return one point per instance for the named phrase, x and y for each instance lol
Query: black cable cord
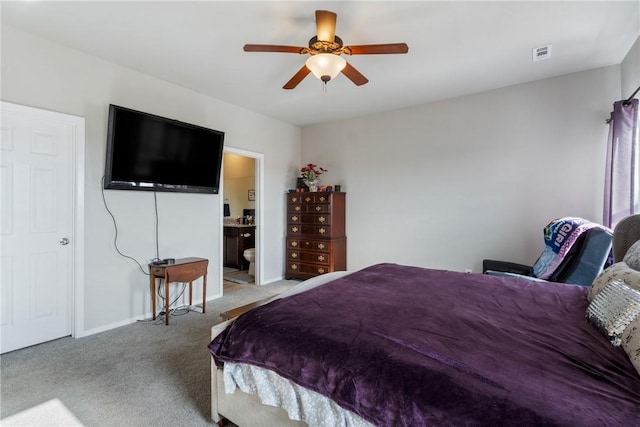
(155, 200)
(177, 311)
(184, 286)
(172, 312)
(115, 237)
(155, 205)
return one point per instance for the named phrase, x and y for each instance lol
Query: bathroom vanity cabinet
(237, 238)
(316, 239)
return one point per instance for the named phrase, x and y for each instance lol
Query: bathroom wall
(239, 178)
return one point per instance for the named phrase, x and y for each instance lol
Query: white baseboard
(126, 322)
(277, 279)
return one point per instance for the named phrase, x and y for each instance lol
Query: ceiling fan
(325, 49)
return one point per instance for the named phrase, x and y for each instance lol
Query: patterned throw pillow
(631, 342)
(618, 271)
(632, 257)
(613, 309)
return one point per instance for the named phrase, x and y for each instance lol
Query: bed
(399, 345)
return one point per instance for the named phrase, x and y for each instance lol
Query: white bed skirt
(244, 384)
(300, 403)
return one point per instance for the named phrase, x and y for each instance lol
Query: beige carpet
(144, 374)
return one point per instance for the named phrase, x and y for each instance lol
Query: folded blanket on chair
(559, 237)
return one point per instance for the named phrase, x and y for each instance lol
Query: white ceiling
(455, 48)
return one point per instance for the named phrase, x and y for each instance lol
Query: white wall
(46, 75)
(440, 185)
(630, 71)
(447, 184)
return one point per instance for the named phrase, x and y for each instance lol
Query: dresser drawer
(309, 257)
(316, 198)
(294, 230)
(316, 208)
(298, 218)
(322, 219)
(299, 268)
(315, 230)
(294, 209)
(294, 218)
(309, 245)
(294, 198)
(311, 208)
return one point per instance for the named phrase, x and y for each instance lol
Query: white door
(36, 190)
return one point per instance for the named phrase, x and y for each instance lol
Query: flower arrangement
(311, 172)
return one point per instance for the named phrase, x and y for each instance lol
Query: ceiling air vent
(540, 53)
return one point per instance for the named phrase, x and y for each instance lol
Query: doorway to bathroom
(242, 213)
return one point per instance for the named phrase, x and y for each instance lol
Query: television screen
(148, 152)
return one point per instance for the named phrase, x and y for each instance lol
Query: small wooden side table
(182, 270)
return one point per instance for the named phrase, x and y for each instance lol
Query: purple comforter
(407, 346)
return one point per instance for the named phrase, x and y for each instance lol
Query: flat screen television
(148, 152)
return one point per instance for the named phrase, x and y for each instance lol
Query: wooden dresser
(316, 240)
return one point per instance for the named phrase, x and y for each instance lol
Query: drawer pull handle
(294, 244)
(294, 229)
(318, 208)
(297, 208)
(294, 266)
(321, 270)
(294, 199)
(322, 230)
(246, 235)
(308, 199)
(294, 255)
(321, 246)
(294, 218)
(322, 199)
(322, 219)
(321, 258)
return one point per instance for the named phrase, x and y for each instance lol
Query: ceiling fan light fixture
(326, 66)
(325, 49)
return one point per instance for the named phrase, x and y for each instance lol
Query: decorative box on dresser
(316, 240)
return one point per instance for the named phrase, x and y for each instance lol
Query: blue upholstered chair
(581, 264)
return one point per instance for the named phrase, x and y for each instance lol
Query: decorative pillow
(613, 309)
(632, 257)
(618, 271)
(631, 342)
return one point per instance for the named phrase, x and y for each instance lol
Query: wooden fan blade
(354, 75)
(274, 48)
(375, 49)
(297, 78)
(326, 25)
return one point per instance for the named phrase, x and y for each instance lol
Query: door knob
(64, 241)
